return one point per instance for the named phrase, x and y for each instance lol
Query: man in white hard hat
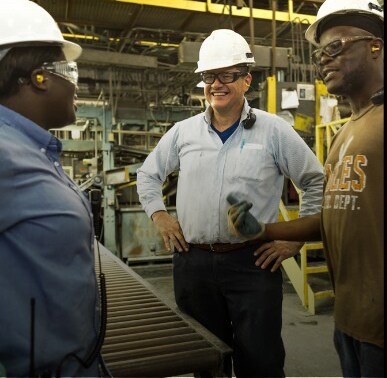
(229, 152)
(349, 58)
(49, 298)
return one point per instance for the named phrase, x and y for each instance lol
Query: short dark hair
(19, 62)
(243, 68)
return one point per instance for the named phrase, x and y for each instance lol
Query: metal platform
(146, 337)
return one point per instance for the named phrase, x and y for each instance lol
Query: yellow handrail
(325, 132)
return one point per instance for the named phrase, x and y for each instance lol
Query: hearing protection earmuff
(39, 79)
(248, 123)
(375, 48)
(378, 97)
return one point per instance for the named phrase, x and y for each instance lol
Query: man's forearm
(302, 229)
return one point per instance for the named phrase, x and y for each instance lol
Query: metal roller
(145, 336)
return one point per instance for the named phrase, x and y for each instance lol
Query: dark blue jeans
(238, 302)
(358, 359)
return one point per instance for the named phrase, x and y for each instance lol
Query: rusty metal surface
(146, 337)
(139, 239)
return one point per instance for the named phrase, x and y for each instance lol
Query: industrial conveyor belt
(145, 337)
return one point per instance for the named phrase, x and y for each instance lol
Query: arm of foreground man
(287, 238)
(170, 230)
(306, 228)
(281, 248)
(242, 223)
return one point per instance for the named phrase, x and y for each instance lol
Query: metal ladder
(298, 273)
(309, 296)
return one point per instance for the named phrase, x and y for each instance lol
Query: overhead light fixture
(85, 36)
(151, 44)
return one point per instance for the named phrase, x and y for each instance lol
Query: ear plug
(375, 48)
(39, 79)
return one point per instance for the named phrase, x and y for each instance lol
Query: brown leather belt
(226, 247)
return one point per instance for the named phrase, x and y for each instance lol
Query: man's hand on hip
(170, 230)
(277, 251)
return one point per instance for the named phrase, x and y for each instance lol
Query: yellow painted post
(321, 90)
(271, 95)
(304, 261)
(319, 132)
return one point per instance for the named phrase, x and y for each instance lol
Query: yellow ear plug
(375, 48)
(39, 79)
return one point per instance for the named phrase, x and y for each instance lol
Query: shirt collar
(42, 137)
(208, 112)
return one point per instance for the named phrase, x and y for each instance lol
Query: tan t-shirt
(352, 225)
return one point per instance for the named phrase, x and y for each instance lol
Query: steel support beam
(210, 7)
(117, 59)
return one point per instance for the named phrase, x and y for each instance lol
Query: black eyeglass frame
(235, 76)
(317, 54)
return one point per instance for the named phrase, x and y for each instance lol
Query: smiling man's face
(223, 98)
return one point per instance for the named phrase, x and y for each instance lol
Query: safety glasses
(223, 77)
(335, 47)
(64, 69)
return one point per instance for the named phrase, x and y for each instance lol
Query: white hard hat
(23, 22)
(343, 7)
(224, 48)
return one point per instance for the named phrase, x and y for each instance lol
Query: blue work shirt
(252, 162)
(46, 253)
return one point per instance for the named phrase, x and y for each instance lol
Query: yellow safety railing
(324, 134)
(309, 296)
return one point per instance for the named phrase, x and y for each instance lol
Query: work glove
(240, 221)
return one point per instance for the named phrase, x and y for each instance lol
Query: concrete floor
(308, 338)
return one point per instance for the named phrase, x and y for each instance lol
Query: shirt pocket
(191, 163)
(251, 162)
